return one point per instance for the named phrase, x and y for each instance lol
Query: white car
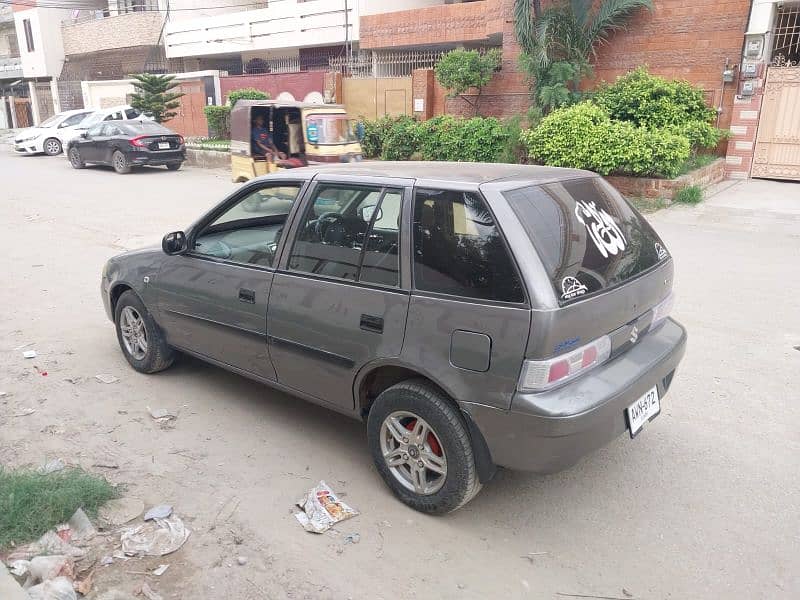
(123, 112)
(45, 138)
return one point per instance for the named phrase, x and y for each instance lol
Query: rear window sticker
(572, 288)
(605, 233)
(661, 251)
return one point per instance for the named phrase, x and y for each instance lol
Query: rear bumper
(151, 157)
(551, 431)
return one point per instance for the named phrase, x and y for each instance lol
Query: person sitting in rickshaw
(263, 144)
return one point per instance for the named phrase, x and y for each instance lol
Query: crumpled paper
(155, 538)
(322, 509)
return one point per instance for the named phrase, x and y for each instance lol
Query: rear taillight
(541, 375)
(140, 141)
(662, 310)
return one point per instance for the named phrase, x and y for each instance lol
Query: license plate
(163, 145)
(643, 410)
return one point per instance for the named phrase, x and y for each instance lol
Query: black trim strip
(341, 361)
(258, 334)
(371, 286)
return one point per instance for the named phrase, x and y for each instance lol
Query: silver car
(473, 315)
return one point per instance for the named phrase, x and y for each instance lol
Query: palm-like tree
(559, 42)
(570, 30)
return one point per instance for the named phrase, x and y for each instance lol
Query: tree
(559, 45)
(460, 70)
(153, 96)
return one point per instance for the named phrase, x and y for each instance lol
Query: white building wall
(377, 7)
(47, 57)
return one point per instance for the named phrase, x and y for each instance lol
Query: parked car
(473, 315)
(44, 139)
(127, 144)
(123, 112)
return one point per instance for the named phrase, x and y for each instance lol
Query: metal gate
(190, 120)
(373, 98)
(777, 151)
(44, 100)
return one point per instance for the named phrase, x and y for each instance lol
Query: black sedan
(127, 144)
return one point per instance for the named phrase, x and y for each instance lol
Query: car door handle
(248, 296)
(372, 323)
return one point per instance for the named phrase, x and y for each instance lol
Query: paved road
(703, 504)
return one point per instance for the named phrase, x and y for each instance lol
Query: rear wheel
(421, 447)
(139, 336)
(75, 158)
(174, 166)
(120, 163)
(52, 146)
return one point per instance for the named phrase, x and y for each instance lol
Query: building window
(129, 6)
(786, 49)
(13, 45)
(26, 25)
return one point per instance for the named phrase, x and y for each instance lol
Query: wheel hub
(413, 453)
(134, 334)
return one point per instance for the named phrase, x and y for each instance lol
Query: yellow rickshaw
(303, 133)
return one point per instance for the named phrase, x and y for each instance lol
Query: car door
(105, 143)
(338, 300)
(88, 145)
(212, 301)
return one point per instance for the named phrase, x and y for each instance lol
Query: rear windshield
(587, 235)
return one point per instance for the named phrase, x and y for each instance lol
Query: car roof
(134, 125)
(467, 173)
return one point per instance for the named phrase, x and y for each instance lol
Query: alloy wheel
(413, 452)
(52, 147)
(120, 163)
(75, 157)
(134, 333)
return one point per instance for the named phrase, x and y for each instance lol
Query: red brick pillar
(744, 126)
(422, 85)
(333, 87)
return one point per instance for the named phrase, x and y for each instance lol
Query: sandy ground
(703, 504)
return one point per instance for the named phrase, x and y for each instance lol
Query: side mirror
(368, 211)
(174, 243)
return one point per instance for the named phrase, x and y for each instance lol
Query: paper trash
(322, 509)
(155, 538)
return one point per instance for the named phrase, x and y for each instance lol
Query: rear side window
(132, 113)
(586, 234)
(458, 249)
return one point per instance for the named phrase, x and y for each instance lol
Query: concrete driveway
(705, 503)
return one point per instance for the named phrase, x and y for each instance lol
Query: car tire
(75, 158)
(417, 406)
(120, 163)
(174, 166)
(132, 320)
(52, 147)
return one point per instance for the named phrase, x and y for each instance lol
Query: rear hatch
(607, 266)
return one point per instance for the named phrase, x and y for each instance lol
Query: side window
(249, 231)
(95, 130)
(132, 113)
(73, 120)
(339, 236)
(458, 249)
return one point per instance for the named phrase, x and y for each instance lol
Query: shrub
(583, 136)
(460, 70)
(652, 101)
(218, 118)
(374, 131)
(465, 140)
(692, 194)
(699, 133)
(399, 139)
(246, 94)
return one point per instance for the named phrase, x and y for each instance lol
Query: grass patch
(692, 194)
(697, 161)
(31, 503)
(648, 205)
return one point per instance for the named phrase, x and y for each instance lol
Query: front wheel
(75, 158)
(421, 447)
(139, 336)
(174, 166)
(120, 163)
(52, 147)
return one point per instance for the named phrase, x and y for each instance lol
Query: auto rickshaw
(304, 133)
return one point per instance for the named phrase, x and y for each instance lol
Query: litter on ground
(106, 378)
(29, 354)
(322, 509)
(162, 511)
(155, 538)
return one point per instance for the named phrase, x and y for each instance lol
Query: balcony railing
(283, 24)
(10, 66)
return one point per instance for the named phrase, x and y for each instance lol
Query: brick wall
(129, 29)
(297, 84)
(643, 187)
(448, 23)
(682, 40)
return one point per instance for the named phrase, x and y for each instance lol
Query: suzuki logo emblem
(634, 334)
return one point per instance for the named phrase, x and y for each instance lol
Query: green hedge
(246, 94)
(445, 138)
(219, 121)
(583, 136)
(650, 101)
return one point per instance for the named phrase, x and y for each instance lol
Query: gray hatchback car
(474, 315)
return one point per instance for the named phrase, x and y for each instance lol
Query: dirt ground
(703, 504)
